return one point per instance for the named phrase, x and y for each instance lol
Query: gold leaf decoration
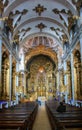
(39, 9)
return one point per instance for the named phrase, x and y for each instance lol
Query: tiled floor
(41, 121)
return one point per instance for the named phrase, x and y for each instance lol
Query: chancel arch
(41, 50)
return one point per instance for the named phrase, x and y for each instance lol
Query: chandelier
(41, 69)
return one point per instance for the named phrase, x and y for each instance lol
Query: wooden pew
(73, 129)
(13, 124)
(20, 117)
(64, 123)
(61, 121)
(10, 129)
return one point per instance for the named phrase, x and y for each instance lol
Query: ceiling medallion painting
(41, 26)
(39, 9)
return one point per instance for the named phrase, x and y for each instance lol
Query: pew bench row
(21, 117)
(64, 121)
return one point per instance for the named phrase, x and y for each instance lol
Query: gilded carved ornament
(24, 31)
(5, 66)
(18, 73)
(41, 26)
(9, 22)
(19, 13)
(71, 17)
(63, 36)
(77, 65)
(78, 3)
(3, 5)
(53, 29)
(66, 72)
(10, 18)
(63, 11)
(56, 29)
(41, 50)
(19, 89)
(3, 18)
(16, 38)
(39, 9)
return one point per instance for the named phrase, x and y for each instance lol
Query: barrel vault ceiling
(40, 22)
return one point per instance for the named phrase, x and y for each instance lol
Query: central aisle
(41, 121)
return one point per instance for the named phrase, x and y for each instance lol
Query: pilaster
(17, 70)
(4, 73)
(72, 75)
(81, 41)
(0, 65)
(10, 77)
(13, 81)
(24, 83)
(81, 55)
(78, 74)
(65, 81)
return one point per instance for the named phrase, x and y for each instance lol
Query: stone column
(10, 77)
(78, 71)
(81, 45)
(20, 79)
(65, 81)
(7, 81)
(24, 83)
(58, 72)
(17, 70)
(1, 30)
(0, 65)
(4, 80)
(17, 82)
(69, 84)
(65, 69)
(2, 92)
(80, 24)
(72, 75)
(58, 80)
(81, 55)
(13, 81)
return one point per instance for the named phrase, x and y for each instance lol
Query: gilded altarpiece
(41, 81)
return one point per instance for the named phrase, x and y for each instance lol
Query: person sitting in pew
(61, 107)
